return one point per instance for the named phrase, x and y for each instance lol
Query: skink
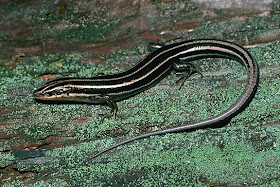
(108, 89)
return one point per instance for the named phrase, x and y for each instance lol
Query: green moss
(14, 183)
(237, 30)
(90, 33)
(5, 159)
(74, 24)
(175, 7)
(173, 159)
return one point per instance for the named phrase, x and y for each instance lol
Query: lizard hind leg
(185, 70)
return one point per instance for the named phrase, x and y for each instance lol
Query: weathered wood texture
(43, 144)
